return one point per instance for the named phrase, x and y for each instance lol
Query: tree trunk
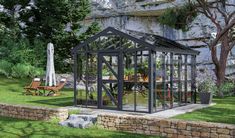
(220, 72)
(220, 66)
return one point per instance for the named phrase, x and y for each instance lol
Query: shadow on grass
(22, 128)
(55, 101)
(226, 100)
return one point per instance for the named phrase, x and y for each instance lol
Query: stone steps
(79, 121)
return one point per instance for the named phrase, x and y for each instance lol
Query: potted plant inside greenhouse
(206, 89)
(128, 74)
(105, 74)
(143, 70)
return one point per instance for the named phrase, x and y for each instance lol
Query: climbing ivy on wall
(179, 17)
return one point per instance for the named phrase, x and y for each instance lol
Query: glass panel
(189, 84)
(87, 86)
(129, 83)
(109, 95)
(158, 82)
(107, 42)
(109, 81)
(128, 44)
(168, 92)
(142, 81)
(110, 68)
(189, 92)
(81, 98)
(176, 81)
(184, 78)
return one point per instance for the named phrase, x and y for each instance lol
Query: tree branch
(231, 45)
(206, 11)
(230, 17)
(223, 13)
(222, 32)
(214, 56)
(229, 4)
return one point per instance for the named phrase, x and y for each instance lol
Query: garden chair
(54, 90)
(32, 89)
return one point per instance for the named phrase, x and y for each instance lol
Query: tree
(224, 35)
(56, 21)
(222, 15)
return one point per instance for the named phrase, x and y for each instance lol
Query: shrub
(5, 68)
(207, 85)
(226, 89)
(22, 51)
(179, 17)
(21, 70)
(34, 72)
(26, 70)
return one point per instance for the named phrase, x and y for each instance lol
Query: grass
(14, 128)
(222, 112)
(11, 92)
(75, 111)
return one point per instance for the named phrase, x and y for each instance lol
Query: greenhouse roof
(111, 39)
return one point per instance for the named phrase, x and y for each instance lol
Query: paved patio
(161, 114)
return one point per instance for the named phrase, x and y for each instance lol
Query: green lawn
(11, 92)
(222, 112)
(14, 128)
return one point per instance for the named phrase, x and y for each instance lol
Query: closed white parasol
(50, 71)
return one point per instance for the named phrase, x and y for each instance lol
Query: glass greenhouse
(136, 72)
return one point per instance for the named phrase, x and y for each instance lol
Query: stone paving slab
(180, 110)
(161, 114)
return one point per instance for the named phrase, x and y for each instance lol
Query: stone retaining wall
(32, 113)
(165, 127)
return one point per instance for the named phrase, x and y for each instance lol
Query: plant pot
(205, 97)
(111, 78)
(125, 77)
(105, 77)
(129, 77)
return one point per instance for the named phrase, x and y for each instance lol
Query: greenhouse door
(110, 80)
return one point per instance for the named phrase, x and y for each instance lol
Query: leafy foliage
(26, 70)
(5, 68)
(178, 17)
(206, 81)
(207, 85)
(21, 51)
(18, 57)
(59, 23)
(143, 68)
(33, 24)
(227, 89)
(19, 70)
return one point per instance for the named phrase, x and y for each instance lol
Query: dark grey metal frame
(119, 77)
(160, 45)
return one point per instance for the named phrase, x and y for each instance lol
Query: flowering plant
(206, 81)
